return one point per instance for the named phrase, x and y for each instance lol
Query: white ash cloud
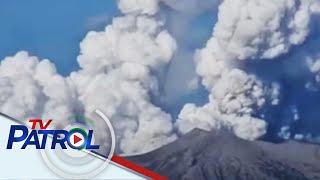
(31, 88)
(120, 74)
(120, 69)
(233, 100)
(246, 30)
(249, 29)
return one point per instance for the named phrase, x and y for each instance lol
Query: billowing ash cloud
(120, 75)
(233, 100)
(31, 88)
(121, 68)
(246, 30)
(249, 29)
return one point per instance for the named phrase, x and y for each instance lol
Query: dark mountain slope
(201, 155)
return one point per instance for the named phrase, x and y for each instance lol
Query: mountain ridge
(221, 155)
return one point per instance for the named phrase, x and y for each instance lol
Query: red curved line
(137, 168)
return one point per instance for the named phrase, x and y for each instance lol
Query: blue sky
(51, 29)
(54, 29)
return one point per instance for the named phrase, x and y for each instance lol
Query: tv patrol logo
(75, 138)
(70, 151)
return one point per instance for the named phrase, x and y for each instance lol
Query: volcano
(202, 155)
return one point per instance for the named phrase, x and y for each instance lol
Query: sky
(51, 29)
(165, 67)
(54, 29)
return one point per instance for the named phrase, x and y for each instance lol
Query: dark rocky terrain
(201, 155)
